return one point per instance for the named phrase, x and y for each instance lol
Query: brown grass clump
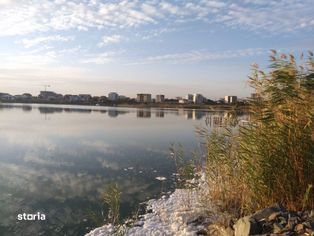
(271, 159)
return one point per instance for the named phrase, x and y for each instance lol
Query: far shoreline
(207, 107)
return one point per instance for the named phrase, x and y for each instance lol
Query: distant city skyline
(159, 47)
(114, 96)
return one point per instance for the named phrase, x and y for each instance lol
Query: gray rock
(217, 230)
(277, 228)
(310, 232)
(274, 216)
(267, 227)
(138, 223)
(246, 226)
(292, 222)
(267, 212)
(202, 232)
(276, 220)
(197, 221)
(282, 220)
(309, 224)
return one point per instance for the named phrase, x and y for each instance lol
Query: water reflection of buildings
(218, 121)
(113, 113)
(198, 115)
(160, 113)
(80, 110)
(46, 110)
(27, 108)
(143, 113)
(194, 114)
(215, 119)
(49, 110)
(223, 119)
(189, 115)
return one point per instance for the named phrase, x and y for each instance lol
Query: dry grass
(271, 159)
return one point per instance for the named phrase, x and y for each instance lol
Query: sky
(172, 47)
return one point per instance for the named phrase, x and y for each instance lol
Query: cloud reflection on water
(61, 165)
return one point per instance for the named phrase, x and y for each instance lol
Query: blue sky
(169, 47)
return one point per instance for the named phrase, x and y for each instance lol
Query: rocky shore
(186, 212)
(181, 213)
(276, 220)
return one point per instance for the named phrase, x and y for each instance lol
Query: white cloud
(5, 2)
(258, 2)
(169, 7)
(25, 67)
(150, 9)
(45, 15)
(20, 19)
(110, 40)
(272, 16)
(146, 35)
(44, 40)
(197, 56)
(99, 59)
(214, 4)
(26, 60)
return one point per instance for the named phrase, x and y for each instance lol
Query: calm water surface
(57, 160)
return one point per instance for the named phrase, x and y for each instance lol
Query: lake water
(57, 160)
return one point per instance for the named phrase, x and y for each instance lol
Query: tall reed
(272, 158)
(111, 198)
(276, 150)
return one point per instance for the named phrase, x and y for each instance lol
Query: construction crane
(46, 86)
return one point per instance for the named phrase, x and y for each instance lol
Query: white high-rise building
(144, 97)
(198, 98)
(113, 96)
(160, 98)
(231, 99)
(189, 98)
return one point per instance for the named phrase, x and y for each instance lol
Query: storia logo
(26, 216)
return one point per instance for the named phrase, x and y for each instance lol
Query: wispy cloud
(197, 56)
(100, 58)
(5, 2)
(168, 7)
(146, 35)
(26, 60)
(113, 39)
(45, 40)
(45, 15)
(271, 16)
